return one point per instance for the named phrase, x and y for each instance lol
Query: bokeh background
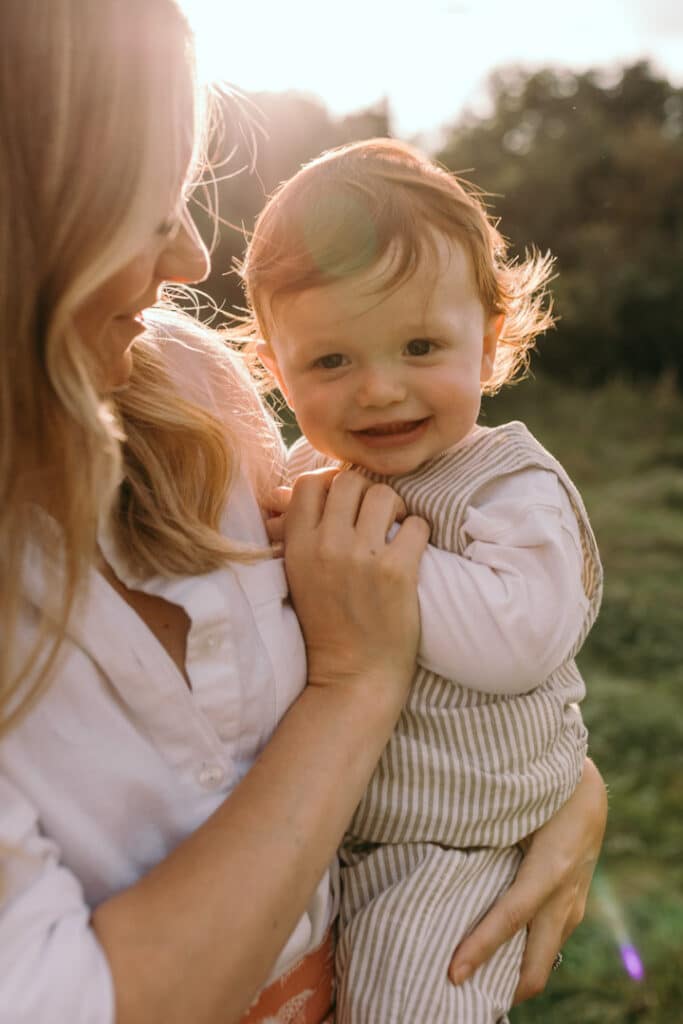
(570, 117)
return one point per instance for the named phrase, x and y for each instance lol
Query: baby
(384, 307)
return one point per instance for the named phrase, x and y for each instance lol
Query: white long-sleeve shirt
(501, 616)
(120, 761)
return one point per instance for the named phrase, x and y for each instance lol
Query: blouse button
(213, 641)
(211, 776)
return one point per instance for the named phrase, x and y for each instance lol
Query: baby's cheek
(315, 417)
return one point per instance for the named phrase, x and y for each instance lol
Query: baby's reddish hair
(341, 214)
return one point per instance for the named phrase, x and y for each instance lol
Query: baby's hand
(275, 511)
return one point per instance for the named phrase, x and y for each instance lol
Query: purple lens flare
(632, 962)
(613, 916)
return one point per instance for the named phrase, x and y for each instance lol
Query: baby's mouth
(397, 427)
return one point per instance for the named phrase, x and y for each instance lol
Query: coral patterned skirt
(304, 995)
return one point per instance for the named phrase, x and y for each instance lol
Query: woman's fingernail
(460, 973)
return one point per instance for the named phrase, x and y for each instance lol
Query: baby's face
(386, 378)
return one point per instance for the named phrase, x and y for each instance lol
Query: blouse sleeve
(501, 616)
(52, 968)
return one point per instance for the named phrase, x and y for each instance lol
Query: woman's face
(111, 318)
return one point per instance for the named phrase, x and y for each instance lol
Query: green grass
(624, 449)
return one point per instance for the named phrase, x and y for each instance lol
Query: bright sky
(430, 58)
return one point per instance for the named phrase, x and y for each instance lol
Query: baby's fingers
(278, 501)
(275, 528)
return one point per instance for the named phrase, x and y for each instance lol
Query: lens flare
(613, 916)
(632, 962)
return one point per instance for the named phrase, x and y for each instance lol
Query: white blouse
(120, 761)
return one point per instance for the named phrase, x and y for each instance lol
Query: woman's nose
(186, 258)
(379, 388)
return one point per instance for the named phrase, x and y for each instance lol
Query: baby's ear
(269, 360)
(492, 333)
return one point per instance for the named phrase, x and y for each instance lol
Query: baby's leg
(404, 909)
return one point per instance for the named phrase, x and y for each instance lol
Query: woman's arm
(196, 937)
(550, 891)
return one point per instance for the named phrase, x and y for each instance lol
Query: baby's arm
(503, 615)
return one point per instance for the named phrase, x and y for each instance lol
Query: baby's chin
(394, 464)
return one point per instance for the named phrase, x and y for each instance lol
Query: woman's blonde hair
(181, 456)
(341, 213)
(99, 131)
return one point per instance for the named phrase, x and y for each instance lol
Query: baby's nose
(379, 388)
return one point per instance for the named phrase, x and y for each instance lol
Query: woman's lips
(396, 433)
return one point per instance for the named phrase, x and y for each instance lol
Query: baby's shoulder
(511, 447)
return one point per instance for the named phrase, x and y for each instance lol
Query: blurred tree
(591, 169)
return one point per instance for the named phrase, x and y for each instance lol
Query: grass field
(624, 449)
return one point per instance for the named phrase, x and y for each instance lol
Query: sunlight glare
(429, 59)
(324, 49)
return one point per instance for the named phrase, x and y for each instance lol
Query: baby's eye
(419, 347)
(331, 362)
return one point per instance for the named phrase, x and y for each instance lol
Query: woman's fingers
(380, 508)
(354, 593)
(342, 501)
(411, 538)
(308, 499)
(507, 916)
(546, 934)
(549, 893)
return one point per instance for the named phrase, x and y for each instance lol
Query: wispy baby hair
(341, 213)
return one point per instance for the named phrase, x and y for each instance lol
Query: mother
(170, 794)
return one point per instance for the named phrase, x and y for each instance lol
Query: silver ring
(557, 962)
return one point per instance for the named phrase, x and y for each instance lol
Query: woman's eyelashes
(171, 225)
(168, 227)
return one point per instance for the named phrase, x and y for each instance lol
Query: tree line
(587, 166)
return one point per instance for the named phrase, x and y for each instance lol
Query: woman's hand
(549, 893)
(355, 594)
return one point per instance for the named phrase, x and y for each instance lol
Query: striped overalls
(464, 777)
